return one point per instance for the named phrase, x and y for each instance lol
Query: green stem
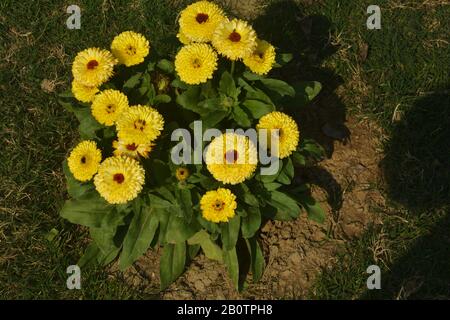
(232, 67)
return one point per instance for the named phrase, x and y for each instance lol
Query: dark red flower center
(234, 36)
(202, 17)
(218, 205)
(118, 177)
(92, 64)
(131, 147)
(231, 156)
(83, 160)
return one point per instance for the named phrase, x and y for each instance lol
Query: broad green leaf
(172, 263)
(241, 117)
(258, 108)
(259, 95)
(89, 210)
(184, 198)
(252, 76)
(284, 58)
(285, 205)
(89, 258)
(214, 117)
(251, 223)
(257, 257)
(166, 66)
(162, 98)
(279, 86)
(227, 85)
(305, 92)
(163, 217)
(75, 188)
(312, 149)
(210, 249)
(287, 173)
(132, 82)
(190, 99)
(104, 239)
(231, 261)
(179, 230)
(313, 208)
(270, 186)
(298, 159)
(139, 236)
(230, 232)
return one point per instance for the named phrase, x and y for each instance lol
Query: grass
(404, 77)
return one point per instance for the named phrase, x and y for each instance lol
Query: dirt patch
(295, 251)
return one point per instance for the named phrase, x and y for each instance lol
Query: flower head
(83, 93)
(196, 63)
(93, 66)
(262, 58)
(108, 105)
(182, 173)
(234, 39)
(84, 160)
(288, 131)
(183, 38)
(130, 48)
(133, 150)
(199, 20)
(139, 124)
(119, 179)
(231, 158)
(218, 205)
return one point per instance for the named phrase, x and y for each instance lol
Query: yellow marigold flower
(119, 179)
(133, 150)
(83, 93)
(182, 173)
(199, 20)
(196, 63)
(231, 158)
(234, 39)
(218, 205)
(139, 124)
(288, 131)
(130, 48)
(84, 160)
(93, 66)
(262, 59)
(183, 38)
(108, 105)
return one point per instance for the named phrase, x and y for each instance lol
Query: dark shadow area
(417, 174)
(285, 25)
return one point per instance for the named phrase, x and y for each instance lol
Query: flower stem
(232, 67)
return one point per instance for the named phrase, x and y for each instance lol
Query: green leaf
(132, 82)
(305, 92)
(179, 230)
(88, 125)
(210, 249)
(257, 257)
(172, 263)
(252, 76)
(88, 210)
(279, 86)
(104, 239)
(287, 173)
(298, 159)
(312, 149)
(190, 100)
(212, 118)
(313, 208)
(230, 232)
(231, 261)
(258, 108)
(166, 66)
(162, 98)
(241, 117)
(284, 58)
(89, 258)
(270, 186)
(139, 236)
(227, 85)
(75, 188)
(184, 199)
(286, 206)
(251, 223)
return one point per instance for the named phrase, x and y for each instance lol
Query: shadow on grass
(417, 172)
(285, 25)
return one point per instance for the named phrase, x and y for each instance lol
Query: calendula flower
(288, 131)
(218, 205)
(83, 93)
(139, 124)
(93, 66)
(231, 158)
(133, 150)
(234, 39)
(182, 173)
(130, 48)
(199, 20)
(183, 38)
(84, 160)
(108, 105)
(119, 179)
(262, 59)
(196, 63)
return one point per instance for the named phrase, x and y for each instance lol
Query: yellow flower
(119, 179)
(288, 131)
(196, 63)
(130, 48)
(218, 206)
(93, 66)
(83, 93)
(183, 38)
(84, 160)
(108, 105)
(231, 158)
(139, 124)
(234, 39)
(262, 59)
(182, 173)
(199, 20)
(133, 150)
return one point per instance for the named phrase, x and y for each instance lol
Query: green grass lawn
(403, 75)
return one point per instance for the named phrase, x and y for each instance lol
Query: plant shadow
(416, 170)
(290, 30)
